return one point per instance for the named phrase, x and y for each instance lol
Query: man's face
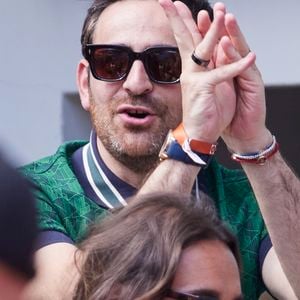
(133, 116)
(208, 268)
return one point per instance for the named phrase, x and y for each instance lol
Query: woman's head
(135, 252)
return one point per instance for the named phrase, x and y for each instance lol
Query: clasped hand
(225, 98)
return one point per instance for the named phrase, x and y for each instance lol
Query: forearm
(277, 191)
(171, 175)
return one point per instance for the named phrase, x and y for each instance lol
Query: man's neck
(133, 178)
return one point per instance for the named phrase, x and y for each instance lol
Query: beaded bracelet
(258, 157)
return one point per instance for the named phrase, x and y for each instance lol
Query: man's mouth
(136, 115)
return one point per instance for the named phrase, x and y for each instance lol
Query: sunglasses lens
(112, 63)
(164, 65)
(109, 64)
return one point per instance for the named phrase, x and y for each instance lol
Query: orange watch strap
(196, 145)
(203, 147)
(179, 134)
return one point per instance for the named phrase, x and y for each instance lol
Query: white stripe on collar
(106, 180)
(90, 178)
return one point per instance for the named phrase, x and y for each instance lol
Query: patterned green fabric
(63, 206)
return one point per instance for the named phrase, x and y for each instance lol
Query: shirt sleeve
(264, 248)
(48, 216)
(49, 237)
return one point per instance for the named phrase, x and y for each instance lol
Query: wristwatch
(171, 149)
(195, 145)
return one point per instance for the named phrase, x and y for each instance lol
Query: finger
(231, 55)
(220, 56)
(186, 16)
(236, 35)
(220, 6)
(232, 70)
(229, 52)
(203, 22)
(206, 48)
(181, 33)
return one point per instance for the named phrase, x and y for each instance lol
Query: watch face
(163, 151)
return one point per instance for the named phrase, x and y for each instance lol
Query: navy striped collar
(98, 182)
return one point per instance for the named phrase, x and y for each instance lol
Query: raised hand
(247, 131)
(206, 111)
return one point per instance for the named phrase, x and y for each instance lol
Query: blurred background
(40, 48)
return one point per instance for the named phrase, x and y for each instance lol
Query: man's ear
(82, 80)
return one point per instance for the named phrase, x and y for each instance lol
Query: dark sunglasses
(113, 62)
(185, 296)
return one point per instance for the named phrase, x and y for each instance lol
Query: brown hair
(98, 7)
(134, 253)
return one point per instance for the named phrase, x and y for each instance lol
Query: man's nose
(137, 81)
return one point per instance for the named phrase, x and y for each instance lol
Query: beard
(136, 148)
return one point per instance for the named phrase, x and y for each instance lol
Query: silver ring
(199, 61)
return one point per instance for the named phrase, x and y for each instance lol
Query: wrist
(250, 145)
(259, 157)
(201, 134)
(191, 144)
(178, 146)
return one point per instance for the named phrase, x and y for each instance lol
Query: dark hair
(134, 253)
(18, 227)
(98, 7)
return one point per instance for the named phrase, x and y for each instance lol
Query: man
(18, 233)
(129, 82)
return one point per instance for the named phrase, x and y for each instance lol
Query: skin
(240, 119)
(135, 143)
(12, 284)
(209, 105)
(56, 273)
(208, 266)
(274, 184)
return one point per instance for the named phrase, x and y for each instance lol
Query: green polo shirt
(64, 207)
